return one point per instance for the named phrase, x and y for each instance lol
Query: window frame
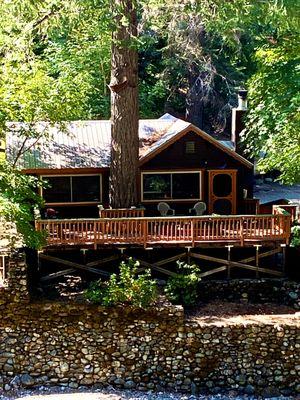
(170, 172)
(60, 203)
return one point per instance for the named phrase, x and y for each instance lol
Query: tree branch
(20, 152)
(45, 17)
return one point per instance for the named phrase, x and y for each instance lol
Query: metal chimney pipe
(237, 124)
(242, 100)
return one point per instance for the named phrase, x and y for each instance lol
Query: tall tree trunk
(124, 106)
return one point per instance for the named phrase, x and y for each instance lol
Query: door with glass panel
(222, 192)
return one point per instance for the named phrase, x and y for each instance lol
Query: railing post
(192, 233)
(287, 229)
(242, 230)
(95, 235)
(145, 229)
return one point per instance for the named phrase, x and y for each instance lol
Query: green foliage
(127, 288)
(18, 199)
(274, 119)
(295, 238)
(51, 55)
(182, 289)
(198, 68)
(239, 43)
(272, 29)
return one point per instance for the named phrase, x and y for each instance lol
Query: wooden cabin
(179, 164)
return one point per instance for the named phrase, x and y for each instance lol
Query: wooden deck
(167, 231)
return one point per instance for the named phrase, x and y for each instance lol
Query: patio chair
(198, 208)
(164, 208)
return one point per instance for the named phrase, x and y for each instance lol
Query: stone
(27, 380)
(194, 389)
(207, 336)
(64, 367)
(119, 381)
(73, 385)
(249, 389)
(15, 382)
(293, 295)
(241, 379)
(270, 391)
(129, 385)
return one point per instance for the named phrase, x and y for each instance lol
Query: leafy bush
(18, 199)
(182, 288)
(125, 288)
(295, 239)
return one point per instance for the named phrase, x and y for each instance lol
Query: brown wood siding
(206, 157)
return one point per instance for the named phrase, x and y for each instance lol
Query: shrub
(295, 238)
(127, 288)
(182, 288)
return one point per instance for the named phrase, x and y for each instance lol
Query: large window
(72, 189)
(171, 185)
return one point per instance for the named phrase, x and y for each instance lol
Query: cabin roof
(86, 144)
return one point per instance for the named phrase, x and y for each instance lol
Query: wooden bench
(122, 213)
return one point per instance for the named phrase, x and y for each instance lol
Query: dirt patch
(228, 312)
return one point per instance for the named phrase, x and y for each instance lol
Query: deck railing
(291, 209)
(172, 230)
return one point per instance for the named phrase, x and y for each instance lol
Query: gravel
(44, 393)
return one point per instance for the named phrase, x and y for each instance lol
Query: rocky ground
(225, 313)
(43, 393)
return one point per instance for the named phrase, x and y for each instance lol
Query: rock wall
(280, 291)
(83, 345)
(15, 289)
(74, 344)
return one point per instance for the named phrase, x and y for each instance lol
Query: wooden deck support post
(257, 246)
(229, 261)
(188, 254)
(39, 252)
(83, 251)
(122, 250)
(283, 260)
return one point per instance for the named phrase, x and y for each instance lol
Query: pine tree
(124, 106)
